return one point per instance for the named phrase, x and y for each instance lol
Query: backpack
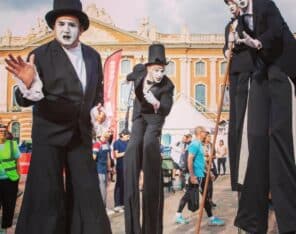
(183, 163)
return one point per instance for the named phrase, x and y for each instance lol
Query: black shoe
(213, 204)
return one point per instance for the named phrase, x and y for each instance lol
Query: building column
(185, 77)
(188, 77)
(3, 86)
(213, 85)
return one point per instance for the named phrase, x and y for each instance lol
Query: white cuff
(34, 93)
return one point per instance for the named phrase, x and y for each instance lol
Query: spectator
(208, 147)
(196, 167)
(9, 178)
(102, 152)
(221, 156)
(119, 148)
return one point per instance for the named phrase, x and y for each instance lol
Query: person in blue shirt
(196, 168)
(102, 151)
(119, 148)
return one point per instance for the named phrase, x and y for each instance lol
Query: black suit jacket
(163, 91)
(279, 44)
(65, 109)
(241, 60)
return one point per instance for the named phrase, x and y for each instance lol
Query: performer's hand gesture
(150, 98)
(24, 71)
(249, 41)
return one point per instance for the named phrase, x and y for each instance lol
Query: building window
(15, 130)
(200, 94)
(223, 67)
(170, 69)
(200, 97)
(200, 68)
(125, 67)
(15, 106)
(125, 89)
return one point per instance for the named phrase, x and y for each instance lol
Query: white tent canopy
(185, 117)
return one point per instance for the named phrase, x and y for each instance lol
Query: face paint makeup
(233, 8)
(156, 73)
(242, 3)
(67, 31)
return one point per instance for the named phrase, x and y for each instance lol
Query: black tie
(150, 82)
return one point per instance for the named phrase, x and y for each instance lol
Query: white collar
(76, 49)
(249, 9)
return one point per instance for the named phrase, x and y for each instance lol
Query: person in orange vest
(9, 178)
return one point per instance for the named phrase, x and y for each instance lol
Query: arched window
(125, 89)
(125, 67)
(223, 67)
(15, 106)
(170, 69)
(15, 130)
(200, 94)
(200, 68)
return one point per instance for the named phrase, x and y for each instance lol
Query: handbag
(193, 203)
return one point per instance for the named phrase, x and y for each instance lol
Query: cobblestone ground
(226, 208)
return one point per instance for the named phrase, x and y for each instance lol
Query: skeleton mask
(67, 31)
(156, 73)
(242, 3)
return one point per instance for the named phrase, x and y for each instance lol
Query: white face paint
(156, 73)
(233, 8)
(242, 3)
(67, 31)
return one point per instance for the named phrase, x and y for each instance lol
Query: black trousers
(51, 207)
(238, 90)
(143, 152)
(119, 187)
(271, 164)
(8, 195)
(186, 198)
(221, 163)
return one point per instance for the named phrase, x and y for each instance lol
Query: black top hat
(157, 55)
(67, 7)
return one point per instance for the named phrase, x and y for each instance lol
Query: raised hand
(249, 41)
(24, 71)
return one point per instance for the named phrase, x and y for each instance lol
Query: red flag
(111, 68)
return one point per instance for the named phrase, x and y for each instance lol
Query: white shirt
(249, 19)
(76, 58)
(34, 93)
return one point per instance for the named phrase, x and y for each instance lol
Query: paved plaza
(223, 196)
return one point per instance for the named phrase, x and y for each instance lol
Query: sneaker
(213, 204)
(216, 222)
(181, 220)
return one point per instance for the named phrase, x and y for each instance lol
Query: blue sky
(200, 16)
